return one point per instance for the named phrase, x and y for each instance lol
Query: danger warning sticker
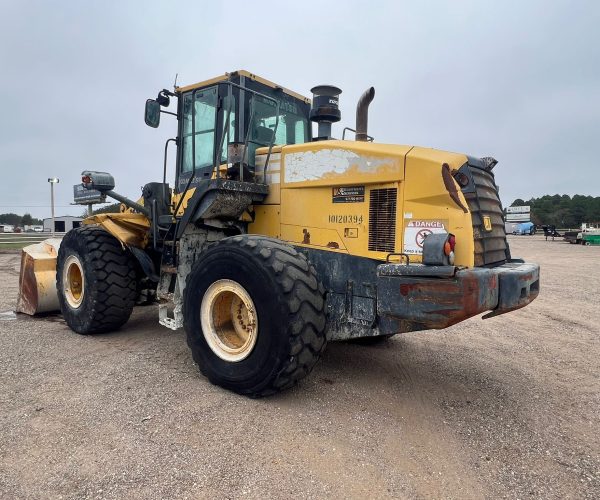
(416, 231)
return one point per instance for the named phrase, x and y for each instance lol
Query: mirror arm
(168, 112)
(130, 203)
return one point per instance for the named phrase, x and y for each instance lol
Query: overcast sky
(519, 81)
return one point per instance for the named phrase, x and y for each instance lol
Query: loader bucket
(37, 280)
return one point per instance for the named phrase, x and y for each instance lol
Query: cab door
(198, 124)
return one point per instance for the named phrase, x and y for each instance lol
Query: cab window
(292, 126)
(204, 110)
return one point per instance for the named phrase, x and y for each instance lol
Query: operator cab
(223, 121)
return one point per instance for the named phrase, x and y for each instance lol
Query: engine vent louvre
(382, 220)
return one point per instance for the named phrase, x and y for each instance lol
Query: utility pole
(52, 181)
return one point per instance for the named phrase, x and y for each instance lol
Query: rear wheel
(96, 281)
(254, 315)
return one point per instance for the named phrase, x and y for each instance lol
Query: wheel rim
(229, 320)
(73, 281)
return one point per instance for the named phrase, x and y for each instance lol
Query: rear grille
(382, 220)
(482, 197)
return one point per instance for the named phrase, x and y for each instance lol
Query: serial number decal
(345, 219)
(348, 194)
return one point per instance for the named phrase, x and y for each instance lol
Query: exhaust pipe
(362, 114)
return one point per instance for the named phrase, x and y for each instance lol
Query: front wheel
(254, 314)
(95, 280)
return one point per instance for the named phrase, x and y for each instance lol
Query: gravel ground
(507, 407)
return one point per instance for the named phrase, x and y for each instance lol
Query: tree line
(20, 220)
(562, 210)
(113, 208)
(17, 220)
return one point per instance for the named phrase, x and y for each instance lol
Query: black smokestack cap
(325, 108)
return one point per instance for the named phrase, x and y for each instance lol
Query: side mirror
(152, 113)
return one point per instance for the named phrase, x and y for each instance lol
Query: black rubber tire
(290, 306)
(110, 287)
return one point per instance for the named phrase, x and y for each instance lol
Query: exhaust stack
(362, 114)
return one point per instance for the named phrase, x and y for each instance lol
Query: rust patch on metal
(306, 239)
(409, 303)
(451, 187)
(439, 303)
(28, 296)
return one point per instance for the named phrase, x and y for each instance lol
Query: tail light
(438, 249)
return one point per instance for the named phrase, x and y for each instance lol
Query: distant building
(7, 228)
(62, 224)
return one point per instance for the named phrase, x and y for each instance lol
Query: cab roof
(243, 73)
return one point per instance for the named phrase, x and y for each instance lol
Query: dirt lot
(506, 407)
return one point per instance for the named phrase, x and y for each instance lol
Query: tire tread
(113, 281)
(304, 297)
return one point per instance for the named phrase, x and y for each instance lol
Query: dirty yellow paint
(129, 228)
(175, 201)
(331, 163)
(267, 221)
(303, 179)
(302, 206)
(319, 237)
(426, 198)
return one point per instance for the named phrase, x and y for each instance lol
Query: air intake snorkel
(325, 109)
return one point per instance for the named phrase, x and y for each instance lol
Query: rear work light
(462, 179)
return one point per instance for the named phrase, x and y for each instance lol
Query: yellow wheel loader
(274, 241)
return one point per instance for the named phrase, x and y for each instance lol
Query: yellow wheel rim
(73, 281)
(229, 320)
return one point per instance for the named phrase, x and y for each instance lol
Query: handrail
(370, 138)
